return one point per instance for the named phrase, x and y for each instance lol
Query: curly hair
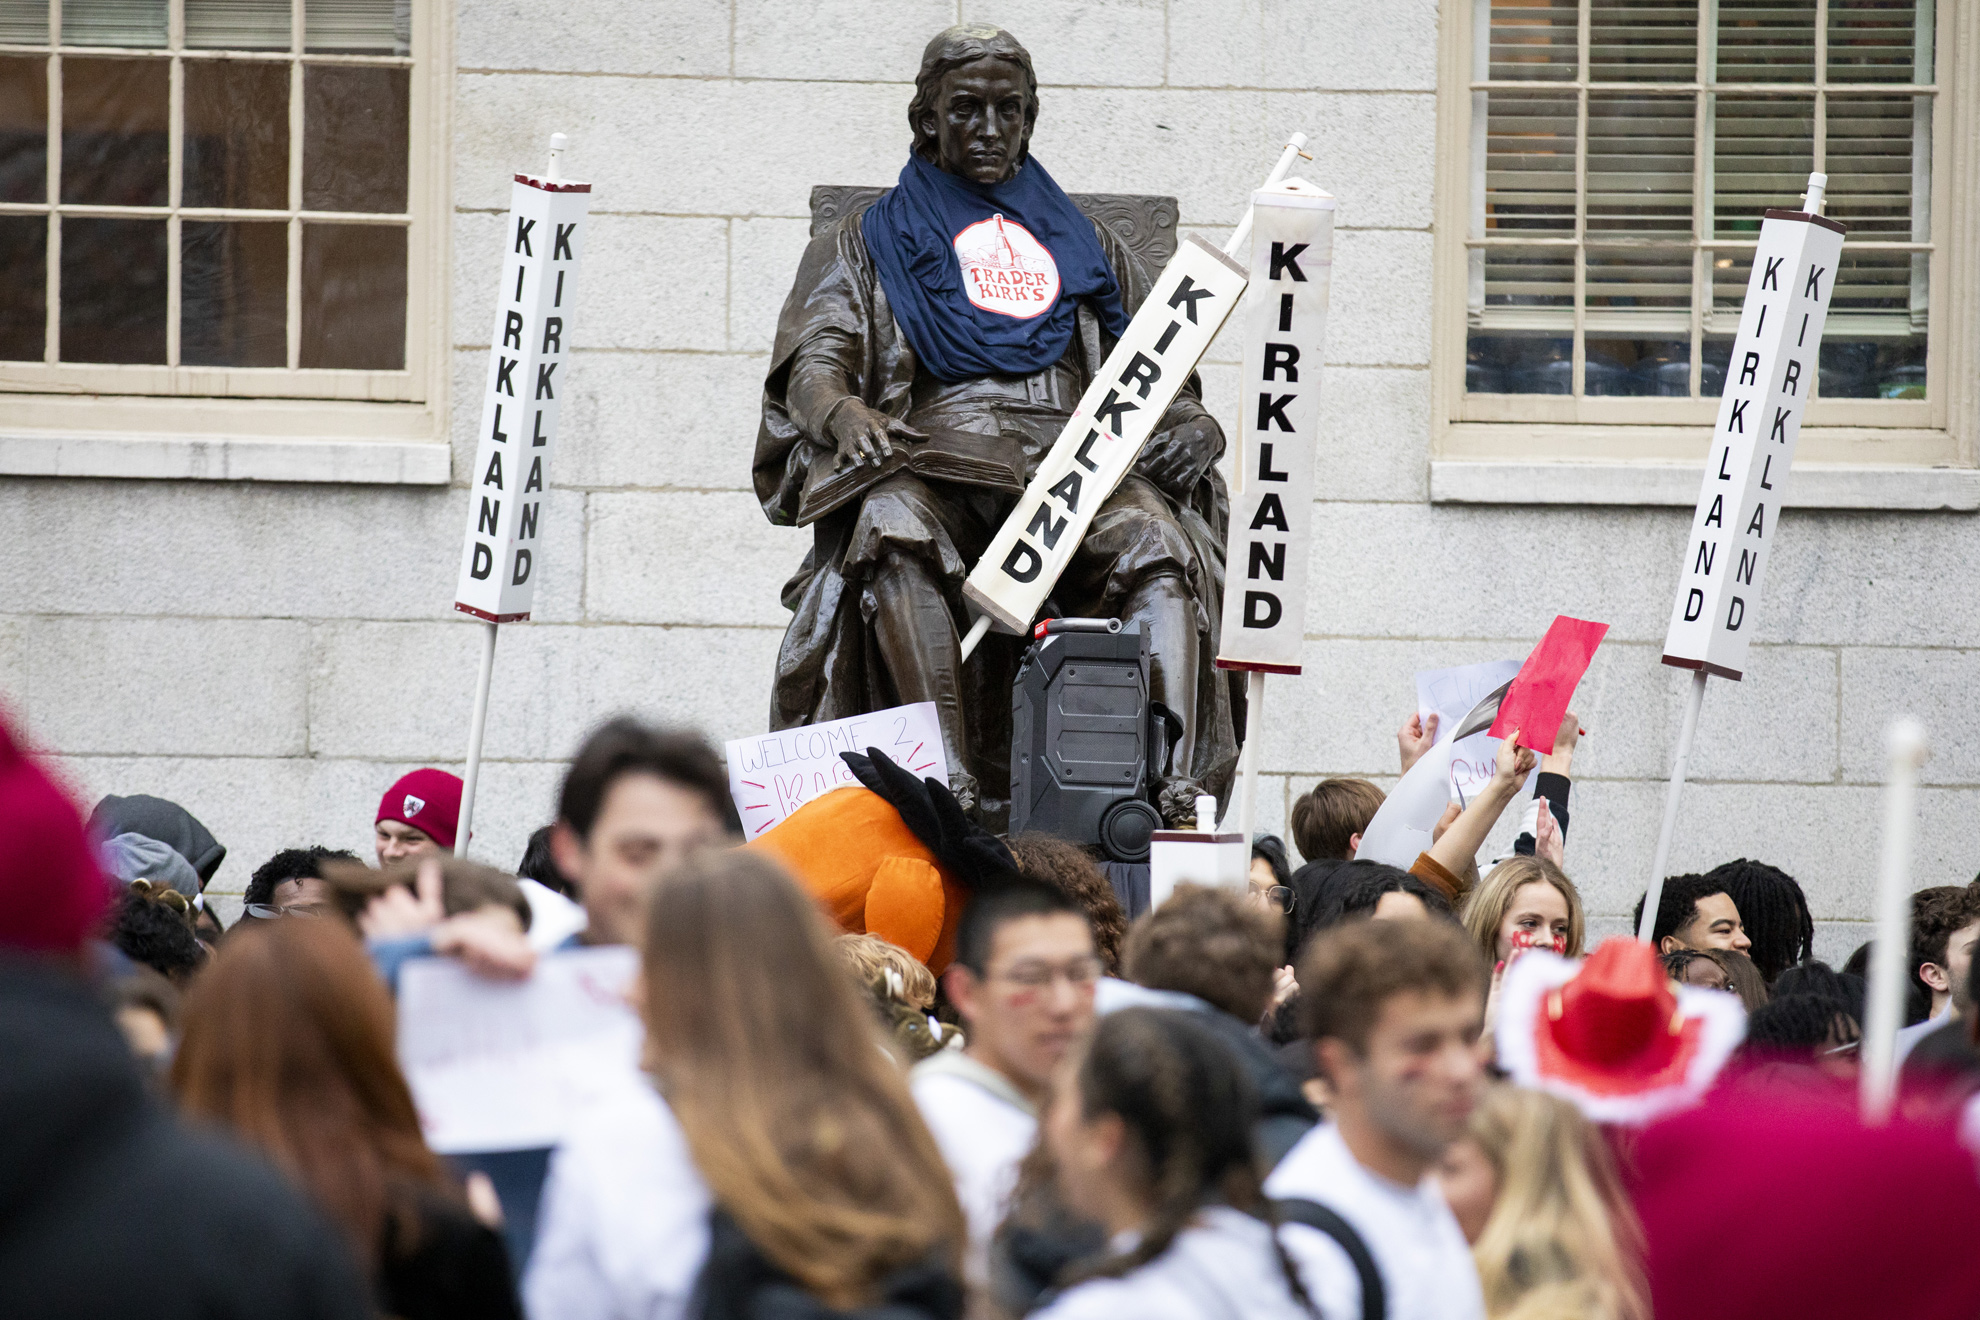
(291, 864)
(1069, 868)
(149, 931)
(1774, 912)
(1210, 943)
(902, 991)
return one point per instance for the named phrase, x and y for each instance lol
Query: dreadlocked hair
(1189, 1108)
(1774, 912)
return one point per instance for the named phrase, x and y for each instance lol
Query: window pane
(23, 287)
(234, 307)
(1520, 341)
(1872, 368)
(237, 24)
(1878, 41)
(354, 297)
(1766, 41)
(113, 23)
(113, 290)
(355, 129)
(1638, 322)
(1529, 162)
(236, 134)
(23, 128)
(1519, 364)
(1637, 368)
(372, 27)
(24, 22)
(1643, 41)
(1869, 165)
(1639, 163)
(1714, 352)
(1730, 272)
(1762, 150)
(1532, 39)
(114, 148)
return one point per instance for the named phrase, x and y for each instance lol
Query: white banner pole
(1655, 894)
(477, 725)
(1878, 1067)
(1769, 375)
(497, 581)
(1254, 711)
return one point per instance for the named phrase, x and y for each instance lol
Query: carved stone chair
(1147, 224)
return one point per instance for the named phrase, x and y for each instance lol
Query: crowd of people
(1350, 1090)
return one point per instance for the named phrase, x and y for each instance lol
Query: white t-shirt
(1221, 1268)
(1415, 1239)
(1908, 1037)
(984, 1132)
(623, 1229)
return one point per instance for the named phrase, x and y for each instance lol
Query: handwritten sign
(1449, 694)
(774, 774)
(502, 1065)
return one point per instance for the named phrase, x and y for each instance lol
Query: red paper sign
(1540, 693)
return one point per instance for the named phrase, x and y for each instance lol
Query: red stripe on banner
(491, 618)
(752, 783)
(531, 181)
(923, 766)
(1248, 666)
(917, 751)
(1540, 692)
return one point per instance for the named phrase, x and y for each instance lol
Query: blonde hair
(902, 991)
(800, 1123)
(1562, 1240)
(1486, 907)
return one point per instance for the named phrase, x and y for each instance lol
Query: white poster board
(1767, 383)
(504, 1065)
(773, 774)
(1450, 694)
(1285, 340)
(1196, 291)
(543, 241)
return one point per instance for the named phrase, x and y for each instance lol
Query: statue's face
(977, 119)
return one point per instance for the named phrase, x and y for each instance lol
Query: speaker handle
(1165, 730)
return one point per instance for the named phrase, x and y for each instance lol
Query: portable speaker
(1088, 747)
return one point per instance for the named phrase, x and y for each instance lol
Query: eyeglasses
(1080, 973)
(266, 912)
(1274, 896)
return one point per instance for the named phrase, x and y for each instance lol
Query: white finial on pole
(1878, 1076)
(559, 144)
(1811, 201)
(1294, 150)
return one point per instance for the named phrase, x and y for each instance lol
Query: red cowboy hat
(1612, 1034)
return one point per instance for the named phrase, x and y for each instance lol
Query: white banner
(773, 774)
(1285, 339)
(503, 1065)
(1767, 383)
(543, 241)
(1197, 290)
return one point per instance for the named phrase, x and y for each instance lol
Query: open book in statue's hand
(967, 457)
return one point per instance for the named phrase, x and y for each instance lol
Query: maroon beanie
(52, 891)
(428, 800)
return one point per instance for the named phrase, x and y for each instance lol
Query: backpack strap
(1374, 1296)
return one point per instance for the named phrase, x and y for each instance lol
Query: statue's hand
(1176, 459)
(865, 435)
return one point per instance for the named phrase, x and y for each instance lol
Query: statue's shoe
(1177, 803)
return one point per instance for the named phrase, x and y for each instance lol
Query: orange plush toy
(896, 857)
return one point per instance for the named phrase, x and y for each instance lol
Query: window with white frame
(1619, 155)
(210, 198)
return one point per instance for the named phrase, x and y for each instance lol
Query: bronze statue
(919, 372)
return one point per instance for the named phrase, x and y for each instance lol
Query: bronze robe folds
(830, 664)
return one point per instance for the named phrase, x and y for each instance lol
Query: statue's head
(975, 103)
